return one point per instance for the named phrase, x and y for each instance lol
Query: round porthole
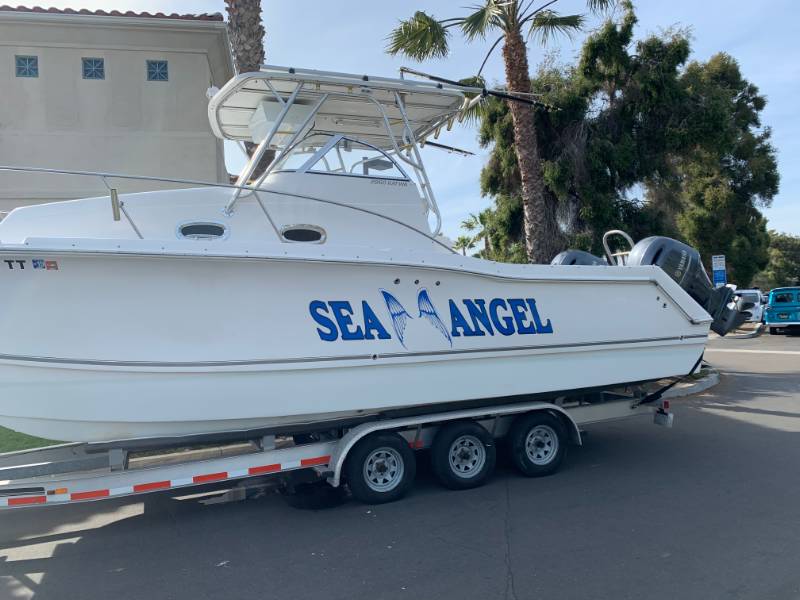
(309, 234)
(201, 231)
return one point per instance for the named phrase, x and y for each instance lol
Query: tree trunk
(246, 32)
(542, 236)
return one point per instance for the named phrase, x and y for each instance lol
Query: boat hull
(161, 346)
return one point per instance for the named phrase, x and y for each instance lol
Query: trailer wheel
(380, 468)
(538, 444)
(463, 455)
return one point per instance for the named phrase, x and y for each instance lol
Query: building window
(94, 68)
(27, 66)
(157, 70)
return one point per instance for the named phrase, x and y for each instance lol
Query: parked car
(754, 297)
(783, 309)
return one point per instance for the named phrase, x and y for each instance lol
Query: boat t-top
(315, 287)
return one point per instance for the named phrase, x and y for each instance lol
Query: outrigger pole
(484, 92)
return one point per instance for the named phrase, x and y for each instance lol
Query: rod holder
(115, 209)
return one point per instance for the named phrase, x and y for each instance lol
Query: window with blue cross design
(157, 70)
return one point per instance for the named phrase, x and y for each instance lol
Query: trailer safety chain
(652, 397)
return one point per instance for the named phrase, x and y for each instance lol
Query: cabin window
(27, 66)
(157, 70)
(309, 234)
(94, 68)
(202, 231)
(783, 297)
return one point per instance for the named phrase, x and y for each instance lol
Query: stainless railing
(118, 206)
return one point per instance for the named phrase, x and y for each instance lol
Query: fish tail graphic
(398, 314)
(428, 310)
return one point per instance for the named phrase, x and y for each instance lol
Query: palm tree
(423, 36)
(464, 243)
(247, 42)
(480, 225)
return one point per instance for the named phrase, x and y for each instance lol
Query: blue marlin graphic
(428, 310)
(398, 313)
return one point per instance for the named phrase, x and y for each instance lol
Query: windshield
(779, 297)
(337, 155)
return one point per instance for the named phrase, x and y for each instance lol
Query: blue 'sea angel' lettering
(398, 314)
(428, 310)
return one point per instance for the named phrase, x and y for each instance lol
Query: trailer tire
(380, 468)
(463, 455)
(538, 443)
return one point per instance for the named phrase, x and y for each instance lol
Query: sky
(350, 36)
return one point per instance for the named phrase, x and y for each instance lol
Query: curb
(699, 385)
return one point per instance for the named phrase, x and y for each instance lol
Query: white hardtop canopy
(356, 106)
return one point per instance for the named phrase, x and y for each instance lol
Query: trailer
(375, 456)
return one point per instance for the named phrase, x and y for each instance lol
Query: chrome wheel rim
(541, 445)
(467, 456)
(383, 469)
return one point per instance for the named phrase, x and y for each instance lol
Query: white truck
(757, 310)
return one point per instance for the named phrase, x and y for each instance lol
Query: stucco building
(107, 91)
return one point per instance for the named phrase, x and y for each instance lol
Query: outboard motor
(577, 257)
(682, 263)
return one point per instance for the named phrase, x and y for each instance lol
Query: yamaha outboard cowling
(682, 263)
(577, 257)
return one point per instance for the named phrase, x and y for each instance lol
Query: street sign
(719, 274)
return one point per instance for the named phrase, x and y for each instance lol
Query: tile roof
(113, 13)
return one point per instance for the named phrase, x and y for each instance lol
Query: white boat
(327, 293)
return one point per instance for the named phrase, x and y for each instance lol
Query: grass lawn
(11, 441)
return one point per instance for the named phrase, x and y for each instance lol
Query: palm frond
(471, 223)
(597, 6)
(419, 38)
(548, 23)
(485, 17)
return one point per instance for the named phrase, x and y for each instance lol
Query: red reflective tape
(264, 469)
(149, 487)
(26, 501)
(416, 444)
(89, 495)
(320, 460)
(210, 477)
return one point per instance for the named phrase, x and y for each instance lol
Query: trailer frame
(82, 472)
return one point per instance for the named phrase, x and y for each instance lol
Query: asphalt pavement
(708, 509)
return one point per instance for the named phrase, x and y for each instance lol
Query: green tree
(783, 268)
(633, 117)
(478, 226)
(620, 114)
(729, 180)
(422, 36)
(464, 243)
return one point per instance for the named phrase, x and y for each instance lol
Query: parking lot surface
(708, 509)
